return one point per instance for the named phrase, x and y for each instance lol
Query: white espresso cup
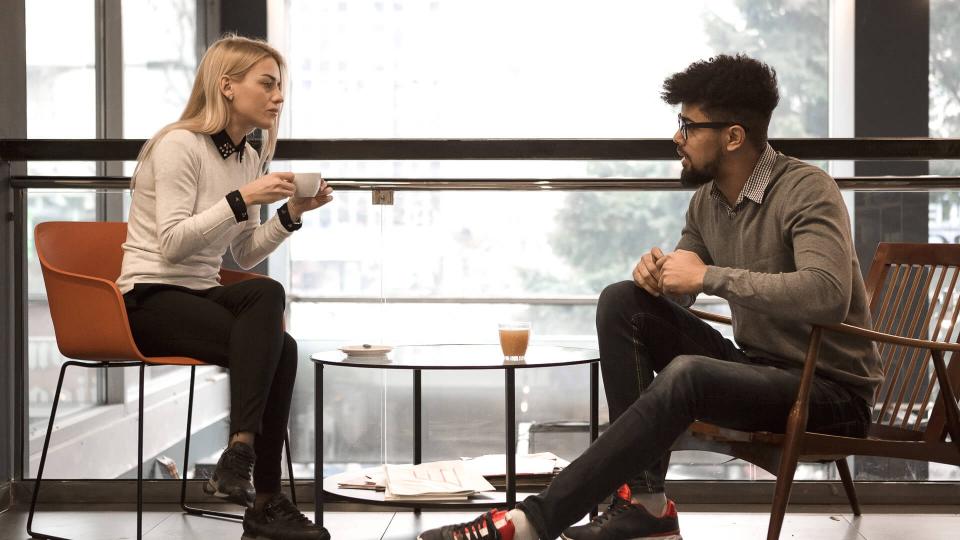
(308, 184)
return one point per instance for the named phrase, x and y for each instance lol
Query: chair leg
(293, 487)
(186, 460)
(143, 368)
(788, 466)
(789, 456)
(186, 449)
(193, 511)
(848, 485)
(43, 459)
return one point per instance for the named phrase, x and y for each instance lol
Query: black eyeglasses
(686, 125)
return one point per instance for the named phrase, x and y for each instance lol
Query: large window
(498, 69)
(944, 113)
(944, 221)
(61, 77)
(159, 59)
(159, 56)
(447, 266)
(61, 103)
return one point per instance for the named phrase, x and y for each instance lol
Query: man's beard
(691, 177)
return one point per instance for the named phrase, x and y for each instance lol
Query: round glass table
(416, 358)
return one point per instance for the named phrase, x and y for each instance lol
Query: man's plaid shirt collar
(756, 184)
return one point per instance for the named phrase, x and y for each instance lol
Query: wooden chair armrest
(707, 316)
(936, 348)
(89, 306)
(798, 417)
(873, 335)
(850, 329)
(845, 328)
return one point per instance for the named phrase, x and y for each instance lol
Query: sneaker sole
(668, 536)
(248, 536)
(210, 488)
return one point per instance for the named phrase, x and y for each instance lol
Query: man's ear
(736, 138)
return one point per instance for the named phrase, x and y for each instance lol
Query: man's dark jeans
(700, 376)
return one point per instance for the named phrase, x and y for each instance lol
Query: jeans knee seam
(686, 336)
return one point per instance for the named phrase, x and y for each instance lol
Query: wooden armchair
(914, 299)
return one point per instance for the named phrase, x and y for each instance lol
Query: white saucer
(369, 350)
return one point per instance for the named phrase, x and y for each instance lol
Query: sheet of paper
(527, 464)
(372, 478)
(435, 479)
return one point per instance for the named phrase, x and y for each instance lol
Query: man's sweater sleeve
(691, 240)
(814, 222)
(180, 232)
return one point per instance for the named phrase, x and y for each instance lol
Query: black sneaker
(280, 520)
(494, 525)
(625, 521)
(231, 479)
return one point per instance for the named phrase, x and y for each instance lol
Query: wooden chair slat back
(912, 290)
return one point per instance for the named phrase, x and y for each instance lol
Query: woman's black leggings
(237, 326)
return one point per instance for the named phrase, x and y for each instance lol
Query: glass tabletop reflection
(460, 356)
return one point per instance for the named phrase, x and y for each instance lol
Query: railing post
(13, 112)
(8, 380)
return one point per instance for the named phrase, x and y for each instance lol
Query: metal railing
(862, 149)
(865, 148)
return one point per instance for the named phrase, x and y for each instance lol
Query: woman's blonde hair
(207, 110)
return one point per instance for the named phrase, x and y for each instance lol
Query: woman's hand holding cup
(269, 188)
(312, 193)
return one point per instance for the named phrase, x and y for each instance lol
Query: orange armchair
(81, 263)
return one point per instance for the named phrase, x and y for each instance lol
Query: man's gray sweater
(784, 265)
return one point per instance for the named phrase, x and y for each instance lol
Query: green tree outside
(945, 93)
(601, 235)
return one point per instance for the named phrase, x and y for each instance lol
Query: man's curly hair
(728, 89)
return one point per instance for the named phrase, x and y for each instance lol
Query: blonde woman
(198, 188)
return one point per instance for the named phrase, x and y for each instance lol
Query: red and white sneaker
(624, 520)
(494, 525)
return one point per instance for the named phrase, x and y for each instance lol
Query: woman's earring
(229, 98)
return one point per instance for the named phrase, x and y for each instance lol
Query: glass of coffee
(514, 337)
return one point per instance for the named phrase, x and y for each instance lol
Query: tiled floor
(697, 523)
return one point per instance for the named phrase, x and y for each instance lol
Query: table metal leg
(318, 443)
(511, 478)
(594, 401)
(417, 418)
(594, 410)
(417, 421)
